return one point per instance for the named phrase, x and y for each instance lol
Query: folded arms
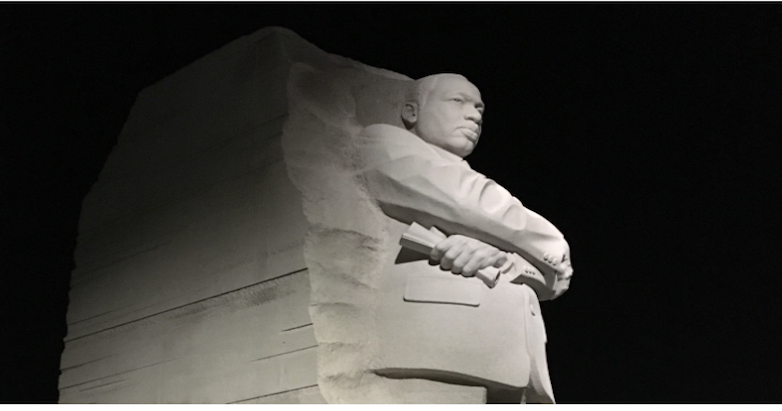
(413, 181)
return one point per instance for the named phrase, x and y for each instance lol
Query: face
(451, 116)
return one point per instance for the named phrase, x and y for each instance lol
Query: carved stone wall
(328, 108)
(198, 275)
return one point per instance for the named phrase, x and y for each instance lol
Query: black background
(648, 133)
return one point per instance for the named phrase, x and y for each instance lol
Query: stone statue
(252, 238)
(441, 330)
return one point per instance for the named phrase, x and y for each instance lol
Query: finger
(461, 260)
(439, 249)
(453, 252)
(500, 260)
(481, 259)
(472, 266)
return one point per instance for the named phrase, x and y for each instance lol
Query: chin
(462, 151)
(467, 148)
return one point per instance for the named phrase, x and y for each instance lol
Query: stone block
(198, 243)
(263, 329)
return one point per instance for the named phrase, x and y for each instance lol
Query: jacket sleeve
(413, 183)
(547, 287)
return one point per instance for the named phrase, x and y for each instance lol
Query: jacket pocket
(460, 291)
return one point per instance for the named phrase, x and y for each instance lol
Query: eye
(457, 99)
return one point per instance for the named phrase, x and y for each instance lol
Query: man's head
(445, 110)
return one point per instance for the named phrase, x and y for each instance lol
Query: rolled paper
(420, 239)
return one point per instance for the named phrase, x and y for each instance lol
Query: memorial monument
(260, 234)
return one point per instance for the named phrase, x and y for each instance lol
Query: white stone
(236, 248)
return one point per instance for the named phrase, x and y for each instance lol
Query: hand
(565, 269)
(558, 263)
(464, 255)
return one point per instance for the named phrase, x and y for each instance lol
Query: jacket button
(532, 309)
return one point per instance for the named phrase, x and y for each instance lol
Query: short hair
(419, 90)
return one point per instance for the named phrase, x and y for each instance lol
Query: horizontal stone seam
(114, 375)
(185, 305)
(73, 367)
(273, 394)
(296, 328)
(103, 385)
(83, 275)
(284, 353)
(165, 362)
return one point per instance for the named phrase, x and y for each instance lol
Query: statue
(437, 321)
(263, 247)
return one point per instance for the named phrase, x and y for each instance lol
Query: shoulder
(387, 131)
(392, 141)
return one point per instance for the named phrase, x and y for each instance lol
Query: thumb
(501, 260)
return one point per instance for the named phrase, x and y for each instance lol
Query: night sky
(648, 133)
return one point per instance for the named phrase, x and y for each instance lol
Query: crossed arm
(413, 182)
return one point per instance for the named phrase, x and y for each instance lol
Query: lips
(470, 133)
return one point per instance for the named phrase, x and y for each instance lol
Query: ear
(410, 114)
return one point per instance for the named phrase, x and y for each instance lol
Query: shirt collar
(447, 155)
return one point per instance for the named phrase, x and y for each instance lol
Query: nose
(474, 115)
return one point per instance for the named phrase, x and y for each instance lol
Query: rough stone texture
(193, 279)
(328, 107)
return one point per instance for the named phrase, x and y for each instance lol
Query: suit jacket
(441, 326)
